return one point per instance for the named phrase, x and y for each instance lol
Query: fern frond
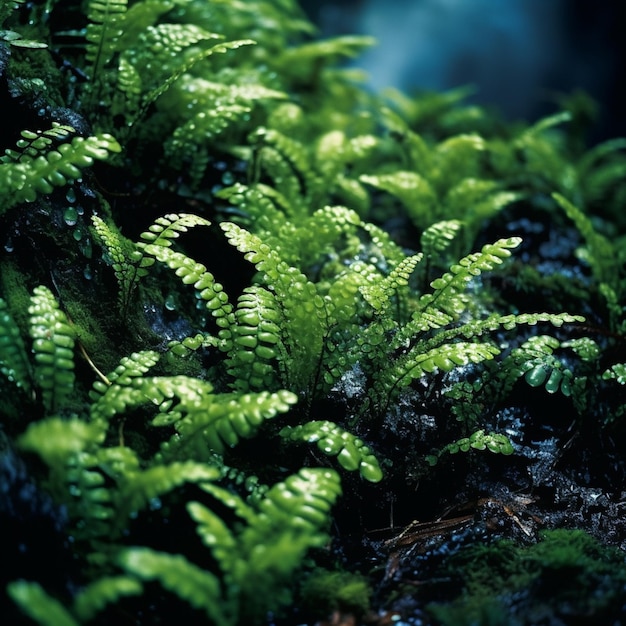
(24, 180)
(616, 372)
(256, 341)
(138, 489)
(166, 229)
(438, 236)
(92, 599)
(56, 440)
(130, 367)
(13, 361)
(153, 94)
(219, 422)
(352, 454)
(198, 587)
(156, 390)
(380, 294)
(105, 28)
(53, 345)
(301, 503)
(413, 190)
(125, 260)
(479, 440)
(34, 143)
(193, 273)
(601, 255)
(38, 605)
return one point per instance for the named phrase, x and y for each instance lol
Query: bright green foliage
(13, 361)
(124, 259)
(256, 340)
(232, 101)
(176, 574)
(351, 452)
(87, 603)
(539, 360)
(478, 440)
(22, 180)
(39, 606)
(106, 25)
(53, 345)
(606, 259)
(256, 556)
(214, 424)
(616, 372)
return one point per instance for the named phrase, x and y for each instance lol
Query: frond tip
(352, 454)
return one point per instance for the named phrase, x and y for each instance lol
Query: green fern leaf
(601, 252)
(56, 440)
(380, 294)
(193, 273)
(302, 503)
(352, 454)
(138, 489)
(38, 605)
(201, 589)
(105, 28)
(124, 258)
(437, 237)
(479, 440)
(256, 341)
(107, 590)
(13, 361)
(222, 421)
(22, 181)
(53, 345)
(131, 367)
(616, 372)
(412, 190)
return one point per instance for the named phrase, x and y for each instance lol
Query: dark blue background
(519, 54)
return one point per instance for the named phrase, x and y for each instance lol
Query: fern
(351, 453)
(124, 258)
(479, 440)
(22, 181)
(13, 360)
(53, 344)
(201, 589)
(105, 28)
(39, 606)
(256, 341)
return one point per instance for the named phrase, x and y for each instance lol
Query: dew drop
(87, 273)
(70, 196)
(228, 178)
(170, 303)
(70, 216)
(77, 234)
(9, 246)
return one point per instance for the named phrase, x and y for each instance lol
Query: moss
(566, 575)
(325, 592)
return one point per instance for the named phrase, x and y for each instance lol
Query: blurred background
(520, 55)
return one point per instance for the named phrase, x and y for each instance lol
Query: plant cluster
(212, 235)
